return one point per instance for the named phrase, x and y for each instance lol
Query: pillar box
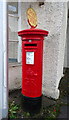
(32, 60)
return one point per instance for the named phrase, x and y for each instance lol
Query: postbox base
(31, 98)
(32, 105)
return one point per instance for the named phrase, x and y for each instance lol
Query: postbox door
(32, 68)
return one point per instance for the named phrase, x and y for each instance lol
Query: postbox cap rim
(33, 31)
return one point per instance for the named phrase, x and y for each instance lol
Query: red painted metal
(32, 41)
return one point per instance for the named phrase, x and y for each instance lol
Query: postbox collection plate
(29, 57)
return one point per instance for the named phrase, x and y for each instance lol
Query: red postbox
(32, 60)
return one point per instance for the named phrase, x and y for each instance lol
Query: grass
(13, 108)
(48, 114)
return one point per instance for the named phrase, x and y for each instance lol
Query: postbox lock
(30, 40)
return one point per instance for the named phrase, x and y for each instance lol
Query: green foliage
(53, 112)
(13, 108)
(49, 113)
(26, 114)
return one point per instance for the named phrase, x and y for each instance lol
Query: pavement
(64, 109)
(64, 96)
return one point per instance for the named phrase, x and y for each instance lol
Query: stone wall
(15, 76)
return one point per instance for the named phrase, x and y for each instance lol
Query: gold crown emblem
(32, 17)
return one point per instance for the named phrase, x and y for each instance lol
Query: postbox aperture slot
(33, 45)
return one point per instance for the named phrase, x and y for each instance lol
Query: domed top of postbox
(32, 33)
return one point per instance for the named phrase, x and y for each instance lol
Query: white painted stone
(54, 47)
